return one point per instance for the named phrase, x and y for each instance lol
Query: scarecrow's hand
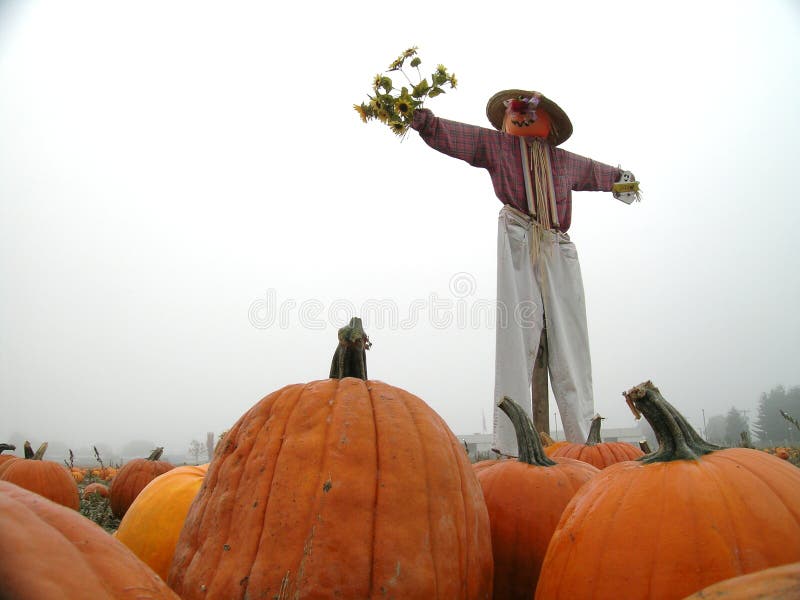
(626, 188)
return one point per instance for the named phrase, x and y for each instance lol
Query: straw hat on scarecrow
(561, 126)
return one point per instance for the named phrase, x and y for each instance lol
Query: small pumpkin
(548, 442)
(775, 583)
(525, 499)
(152, 524)
(676, 520)
(132, 478)
(45, 477)
(342, 487)
(77, 474)
(96, 487)
(50, 551)
(595, 451)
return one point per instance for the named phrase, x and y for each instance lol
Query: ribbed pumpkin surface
(46, 478)
(668, 529)
(525, 503)
(599, 455)
(132, 479)
(337, 488)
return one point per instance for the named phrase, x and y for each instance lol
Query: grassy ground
(97, 508)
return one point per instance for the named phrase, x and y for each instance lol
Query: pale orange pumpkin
(152, 524)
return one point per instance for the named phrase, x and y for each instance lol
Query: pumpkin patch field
(352, 488)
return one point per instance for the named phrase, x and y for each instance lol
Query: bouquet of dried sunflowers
(395, 107)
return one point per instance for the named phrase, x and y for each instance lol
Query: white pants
(526, 294)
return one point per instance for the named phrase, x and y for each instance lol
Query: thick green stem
(677, 440)
(529, 446)
(350, 357)
(594, 432)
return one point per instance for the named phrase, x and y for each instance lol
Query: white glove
(626, 188)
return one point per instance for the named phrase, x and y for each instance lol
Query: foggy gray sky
(174, 173)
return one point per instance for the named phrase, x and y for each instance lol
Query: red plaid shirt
(499, 153)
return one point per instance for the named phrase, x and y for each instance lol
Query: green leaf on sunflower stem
(420, 89)
(435, 92)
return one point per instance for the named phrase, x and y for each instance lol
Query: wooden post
(539, 391)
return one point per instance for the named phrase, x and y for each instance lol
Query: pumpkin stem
(39, 455)
(677, 440)
(156, 454)
(350, 357)
(545, 438)
(28, 449)
(4, 447)
(529, 446)
(594, 432)
(645, 447)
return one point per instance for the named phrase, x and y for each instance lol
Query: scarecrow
(538, 274)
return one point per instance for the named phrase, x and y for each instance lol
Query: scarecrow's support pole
(541, 402)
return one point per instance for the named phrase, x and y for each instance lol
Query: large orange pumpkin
(45, 477)
(132, 478)
(525, 499)
(595, 451)
(338, 488)
(674, 521)
(776, 583)
(152, 524)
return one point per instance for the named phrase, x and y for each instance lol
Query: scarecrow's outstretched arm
(478, 146)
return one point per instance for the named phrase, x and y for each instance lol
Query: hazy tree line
(769, 428)
(84, 455)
